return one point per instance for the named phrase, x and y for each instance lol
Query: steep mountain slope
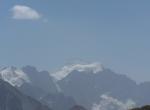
(40, 79)
(12, 99)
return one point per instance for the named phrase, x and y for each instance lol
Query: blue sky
(113, 32)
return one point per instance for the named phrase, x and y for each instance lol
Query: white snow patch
(16, 77)
(63, 72)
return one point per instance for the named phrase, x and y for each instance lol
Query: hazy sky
(51, 33)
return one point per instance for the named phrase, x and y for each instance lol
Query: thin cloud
(21, 12)
(110, 103)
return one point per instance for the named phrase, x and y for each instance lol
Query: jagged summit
(18, 76)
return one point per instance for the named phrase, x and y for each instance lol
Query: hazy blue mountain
(41, 83)
(86, 88)
(12, 99)
(40, 79)
(87, 83)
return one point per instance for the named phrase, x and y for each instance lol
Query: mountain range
(89, 84)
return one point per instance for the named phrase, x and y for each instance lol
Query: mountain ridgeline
(89, 85)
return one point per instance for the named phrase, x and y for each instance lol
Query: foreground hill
(147, 107)
(12, 99)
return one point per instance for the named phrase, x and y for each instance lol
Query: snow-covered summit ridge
(14, 76)
(88, 67)
(17, 76)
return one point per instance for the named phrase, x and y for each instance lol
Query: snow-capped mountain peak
(14, 76)
(63, 72)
